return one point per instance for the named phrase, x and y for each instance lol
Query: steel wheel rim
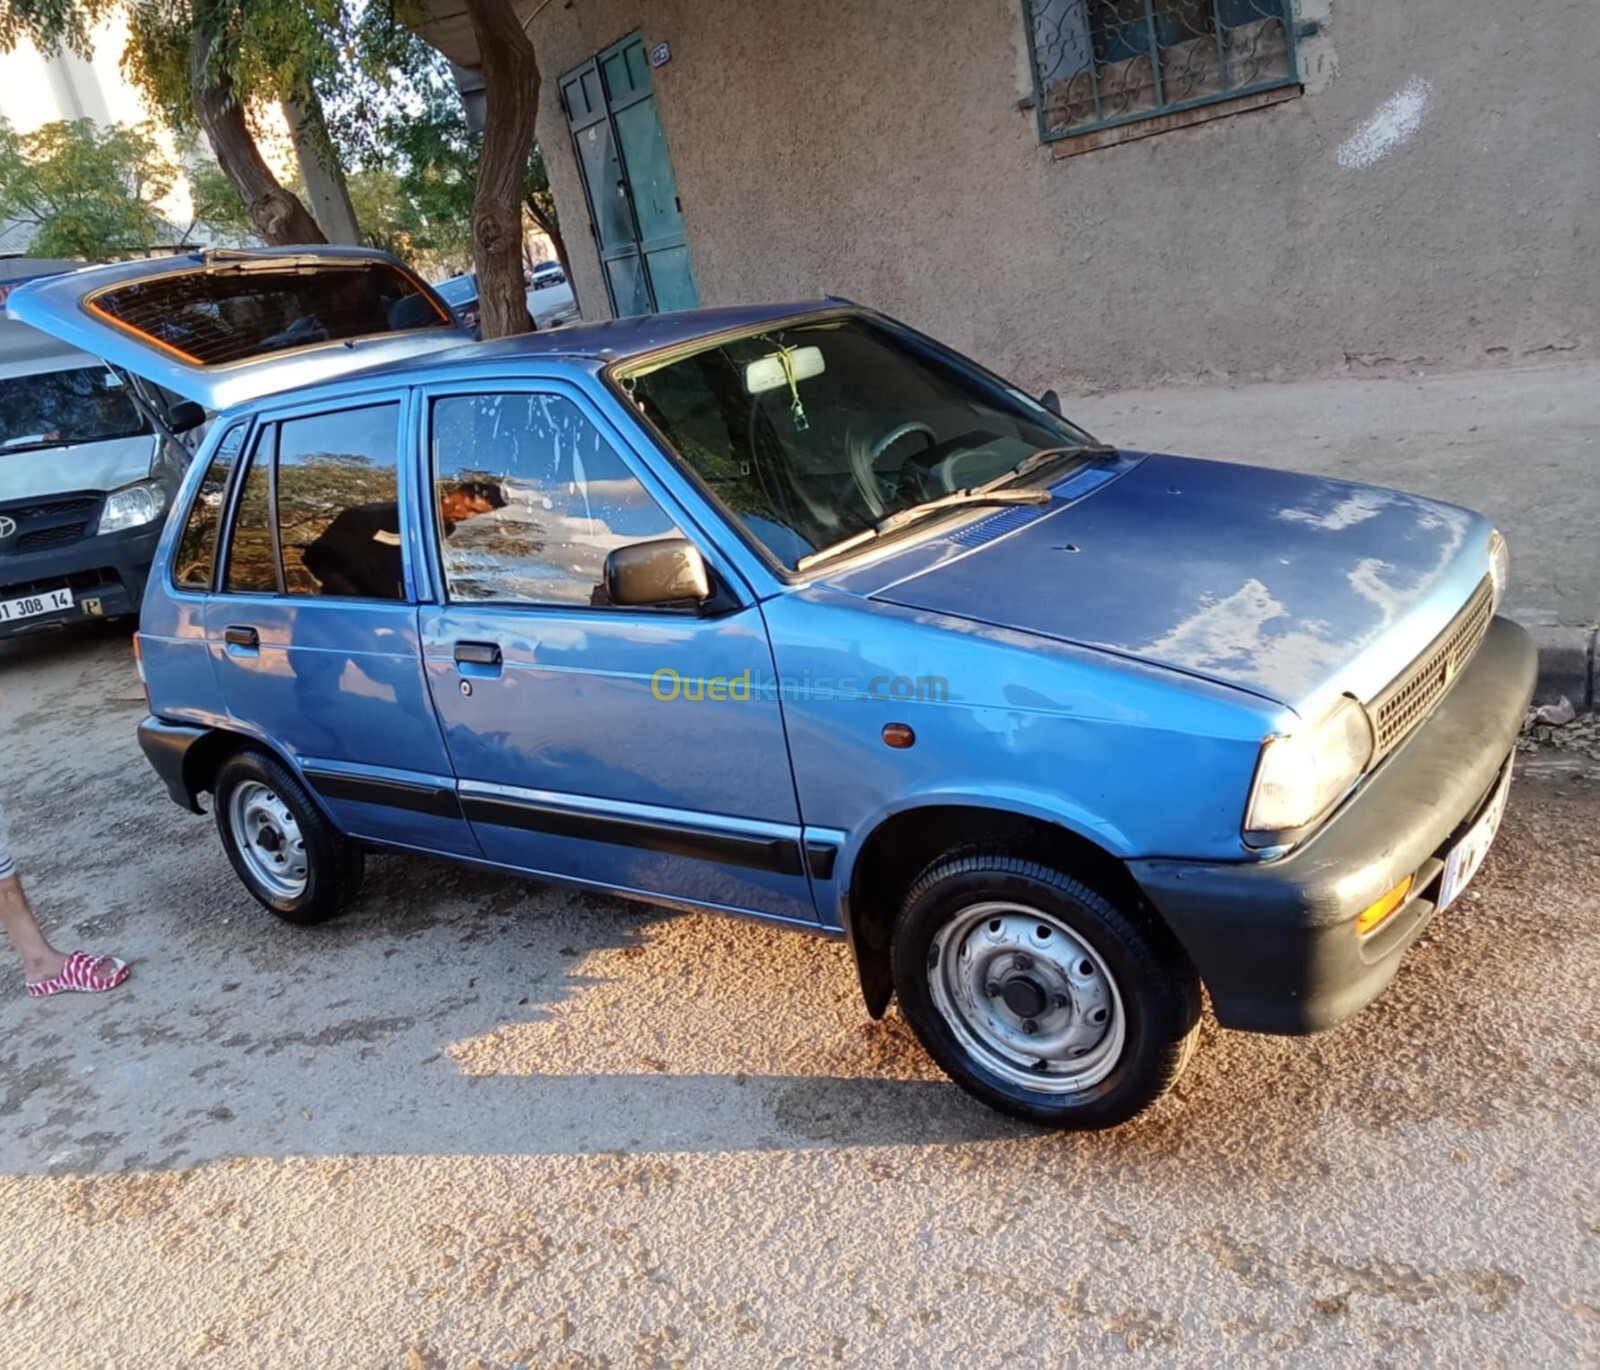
(269, 840)
(1028, 997)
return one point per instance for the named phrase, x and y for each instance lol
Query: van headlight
(133, 506)
(1499, 565)
(1303, 775)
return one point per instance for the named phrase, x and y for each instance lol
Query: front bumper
(1275, 941)
(106, 575)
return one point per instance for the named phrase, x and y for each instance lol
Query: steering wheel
(864, 462)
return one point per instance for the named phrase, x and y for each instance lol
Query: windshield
(55, 408)
(458, 290)
(817, 432)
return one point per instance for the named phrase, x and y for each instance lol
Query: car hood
(1295, 588)
(82, 466)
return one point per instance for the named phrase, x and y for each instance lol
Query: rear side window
(195, 562)
(213, 318)
(338, 504)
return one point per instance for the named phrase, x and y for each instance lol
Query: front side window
(1098, 63)
(60, 408)
(197, 545)
(531, 499)
(814, 433)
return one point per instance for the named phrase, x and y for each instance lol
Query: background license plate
(1462, 863)
(51, 601)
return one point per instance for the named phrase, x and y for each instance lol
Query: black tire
(1152, 987)
(334, 865)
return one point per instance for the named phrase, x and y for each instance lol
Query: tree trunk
(278, 216)
(551, 230)
(320, 170)
(511, 92)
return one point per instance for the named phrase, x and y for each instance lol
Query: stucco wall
(874, 149)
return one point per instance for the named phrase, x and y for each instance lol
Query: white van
(88, 466)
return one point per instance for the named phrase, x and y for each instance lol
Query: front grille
(1409, 698)
(43, 539)
(79, 506)
(45, 524)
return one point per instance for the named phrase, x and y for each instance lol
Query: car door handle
(478, 654)
(247, 638)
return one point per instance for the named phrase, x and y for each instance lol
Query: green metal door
(627, 175)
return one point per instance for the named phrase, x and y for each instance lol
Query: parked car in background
(547, 274)
(547, 306)
(461, 294)
(790, 612)
(89, 462)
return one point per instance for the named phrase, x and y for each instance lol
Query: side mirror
(1052, 401)
(185, 416)
(663, 571)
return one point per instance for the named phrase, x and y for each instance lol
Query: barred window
(1099, 63)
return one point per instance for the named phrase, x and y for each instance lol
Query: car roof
(589, 346)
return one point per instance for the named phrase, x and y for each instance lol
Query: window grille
(1099, 63)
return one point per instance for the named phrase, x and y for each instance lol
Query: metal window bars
(1099, 63)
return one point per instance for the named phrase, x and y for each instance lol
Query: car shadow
(460, 1013)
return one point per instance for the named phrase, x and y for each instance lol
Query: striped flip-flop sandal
(82, 974)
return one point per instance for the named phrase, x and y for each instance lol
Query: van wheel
(1039, 995)
(288, 854)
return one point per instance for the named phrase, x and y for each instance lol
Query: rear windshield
(54, 408)
(232, 315)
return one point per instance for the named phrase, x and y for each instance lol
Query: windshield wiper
(1035, 460)
(901, 517)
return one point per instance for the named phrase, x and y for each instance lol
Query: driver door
(631, 748)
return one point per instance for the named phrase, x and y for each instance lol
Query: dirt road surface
(480, 1122)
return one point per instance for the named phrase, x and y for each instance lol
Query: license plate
(1462, 863)
(31, 606)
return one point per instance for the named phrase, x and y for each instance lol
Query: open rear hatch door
(224, 327)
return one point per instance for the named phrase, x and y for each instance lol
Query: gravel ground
(482, 1122)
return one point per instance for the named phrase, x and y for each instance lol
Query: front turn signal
(1375, 913)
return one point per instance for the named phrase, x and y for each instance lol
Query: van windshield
(57, 408)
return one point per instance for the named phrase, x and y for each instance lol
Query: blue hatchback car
(791, 612)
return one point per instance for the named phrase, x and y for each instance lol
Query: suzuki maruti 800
(790, 612)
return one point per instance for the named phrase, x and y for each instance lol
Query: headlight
(1499, 565)
(1301, 776)
(132, 507)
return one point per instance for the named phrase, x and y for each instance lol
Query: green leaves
(88, 192)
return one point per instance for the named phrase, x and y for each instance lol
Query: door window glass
(531, 500)
(252, 559)
(338, 504)
(197, 546)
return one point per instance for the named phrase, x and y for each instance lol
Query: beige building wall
(875, 149)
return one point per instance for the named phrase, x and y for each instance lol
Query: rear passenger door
(312, 626)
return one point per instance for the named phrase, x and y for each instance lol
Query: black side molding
(777, 854)
(166, 747)
(394, 794)
(820, 857)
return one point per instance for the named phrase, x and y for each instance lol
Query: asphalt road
(481, 1122)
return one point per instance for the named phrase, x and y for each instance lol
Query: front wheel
(295, 862)
(1040, 996)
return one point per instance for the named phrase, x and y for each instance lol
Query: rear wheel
(1039, 995)
(290, 857)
